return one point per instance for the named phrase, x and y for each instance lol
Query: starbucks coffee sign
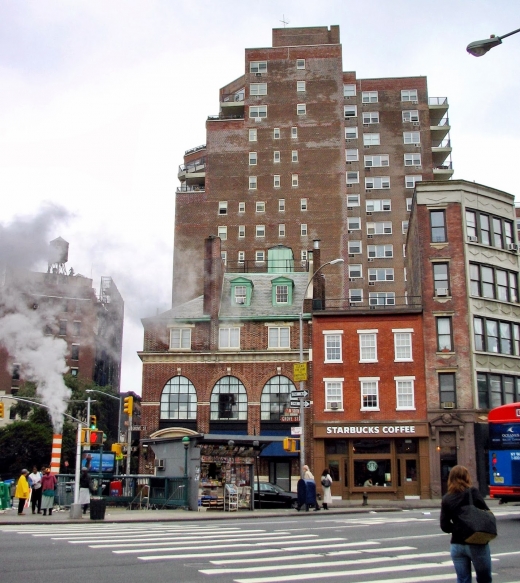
(372, 430)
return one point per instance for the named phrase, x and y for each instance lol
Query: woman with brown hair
(463, 554)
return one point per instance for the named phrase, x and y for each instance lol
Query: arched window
(228, 400)
(276, 395)
(179, 399)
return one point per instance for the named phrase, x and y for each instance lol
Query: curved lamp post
(118, 415)
(481, 47)
(302, 399)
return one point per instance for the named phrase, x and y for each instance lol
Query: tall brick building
(303, 150)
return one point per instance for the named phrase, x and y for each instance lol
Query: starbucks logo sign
(371, 466)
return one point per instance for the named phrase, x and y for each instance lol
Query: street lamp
(481, 47)
(302, 399)
(186, 443)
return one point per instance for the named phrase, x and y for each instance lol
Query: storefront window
(406, 445)
(229, 400)
(336, 446)
(179, 399)
(276, 396)
(376, 470)
(362, 446)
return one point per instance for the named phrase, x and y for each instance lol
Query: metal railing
(225, 116)
(437, 101)
(188, 188)
(195, 166)
(446, 143)
(237, 97)
(444, 121)
(193, 150)
(445, 166)
(271, 266)
(380, 303)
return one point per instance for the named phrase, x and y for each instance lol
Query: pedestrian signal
(128, 406)
(85, 439)
(96, 438)
(290, 444)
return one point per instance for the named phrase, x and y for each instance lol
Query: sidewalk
(118, 515)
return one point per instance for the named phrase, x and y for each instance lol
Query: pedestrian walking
(35, 483)
(326, 483)
(22, 491)
(48, 491)
(84, 489)
(463, 554)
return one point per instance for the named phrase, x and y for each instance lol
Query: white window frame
(412, 160)
(304, 204)
(336, 337)
(294, 156)
(410, 115)
(260, 206)
(353, 131)
(253, 183)
(367, 352)
(333, 393)
(369, 387)
(294, 180)
(242, 207)
(259, 256)
(354, 223)
(300, 86)
(241, 257)
(222, 207)
(276, 156)
(281, 205)
(378, 205)
(349, 111)
(353, 200)
(183, 340)
(355, 296)
(301, 109)
(352, 154)
(303, 255)
(411, 138)
(349, 90)
(258, 111)
(377, 183)
(409, 95)
(281, 230)
(300, 63)
(409, 204)
(253, 135)
(372, 139)
(380, 251)
(258, 66)
(405, 388)
(369, 97)
(260, 231)
(355, 271)
(379, 228)
(370, 117)
(411, 180)
(294, 132)
(381, 274)
(387, 297)
(279, 337)
(377, 161)
(257, 89)
(253, 158)
(276, 133)
(222, 232)
(403, 345)
(303, 230)
(241, 231)
(229, 338)
(352, 177)
(404, 227)
(355, 247)
(276, 181)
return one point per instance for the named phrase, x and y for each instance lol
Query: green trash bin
(5, 496)
(98, 507)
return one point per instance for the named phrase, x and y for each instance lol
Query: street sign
(138, 427)
(297, 394)
(295, 403)
(300, 371)
(296, 430)
(306, 404)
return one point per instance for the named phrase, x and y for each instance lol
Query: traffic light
(117, 448)
(290, 444)
(85, 439)
(128, 406)
(96, 437)
(1, 410)
(93, 422)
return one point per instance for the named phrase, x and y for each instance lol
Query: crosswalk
(267, 553)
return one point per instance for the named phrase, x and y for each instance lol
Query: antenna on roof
(283, 21)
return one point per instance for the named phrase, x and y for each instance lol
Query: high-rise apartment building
(303, 150)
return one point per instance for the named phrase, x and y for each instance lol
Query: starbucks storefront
(389, 460)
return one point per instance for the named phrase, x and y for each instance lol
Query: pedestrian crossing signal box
(290, 444)
(96, 437)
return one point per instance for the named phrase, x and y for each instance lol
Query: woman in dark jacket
(463, 554)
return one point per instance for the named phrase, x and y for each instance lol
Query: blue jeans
(462, 557)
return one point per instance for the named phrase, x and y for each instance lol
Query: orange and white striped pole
(56, 453)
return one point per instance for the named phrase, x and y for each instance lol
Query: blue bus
(504, 453)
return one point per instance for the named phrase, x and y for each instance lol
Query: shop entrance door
(448, 461)
(408, 477)
(280, 474)
(338, 466)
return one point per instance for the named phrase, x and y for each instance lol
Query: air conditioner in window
(257, 119)
(348, 162)
(334, 405)
(371, 259)
(351, 255)
(348, 140)
(418, 167)
(369, 213)
(448, 405)
(352, 279)
(512, 247)
(370, 236)
(159, 464)
(417, 145)
(366, 147)
(416, 123)
(441, 291)
(415, 102)
(472, 239)
(258, 74)
(350, 208)
(371, 283)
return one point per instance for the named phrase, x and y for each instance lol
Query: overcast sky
(99, 100)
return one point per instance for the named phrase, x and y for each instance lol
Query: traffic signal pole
(129, 444)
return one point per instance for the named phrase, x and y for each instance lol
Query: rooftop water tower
(58, 256)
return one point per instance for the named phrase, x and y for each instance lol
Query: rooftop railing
(193, 150)
(437, 101)
(374, 303)
(195, 166)
(187, 188)
(267, 266)
(233, 97)
(225, 116)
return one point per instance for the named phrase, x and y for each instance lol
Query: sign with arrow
(297, 404)
(297, 394)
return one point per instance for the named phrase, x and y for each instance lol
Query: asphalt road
(396, 547)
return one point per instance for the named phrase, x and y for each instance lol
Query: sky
(99, 100)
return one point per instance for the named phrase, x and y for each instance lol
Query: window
(411, 115)
(355, 296)
(412, 137)
(15, 372)
(260, 206)
(222, 207)
(276, 396)
(381, 274)
(241, 257)
(300, 86)
(241, 231)
(352, 155)
(447, 391)
(409, 204)
(258, 89)
(409, 95)
(377, 182)
(371, 139)
(380, 251)
(404, 227)
(300, 63)
(404, 392)
(63, 328)
(258, 111)
(350, 111)
(403, 345)
(412, 160)
(354, 247)
(279, 337)
(333, 394)
(489, 230)
(379, 228)
(301, 109)
(76, 328)
(353, 200)
(303, 255)
(355, 271)
(444, 336)
(276, 181)
(276, 133)
(222, 233)
(496, 336)
(378, 205)
(229, 338)
(74, 372)
(228, 400)
(180, 338)
(241, 207)
(370, 395)
(303, 204)
(369, 97)
(74, 352)
(495, 390)
(441, 281)
(370, 117)
(258, 67)
(367, 346)
(260, 231)
(281, 205)
(351, 133)
(259, 256)
(179, 399)
(223, 256)
(252, 183)
(492, 282)
(294, 132)
(377, 161)
(354, 223)
(281, 230)
(349, 90)
(411, 181)
(303, 230)
(333, 346)
(438, 226)
(253, 135)
(294, 180)
(352, 177)
(381, 298)
(252, 159)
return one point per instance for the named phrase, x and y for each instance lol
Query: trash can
(116, 488)
(306, 493)
(97, 508)
(5, 496)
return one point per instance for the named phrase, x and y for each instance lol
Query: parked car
(272, 496)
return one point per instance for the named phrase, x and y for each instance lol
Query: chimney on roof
(213, 276)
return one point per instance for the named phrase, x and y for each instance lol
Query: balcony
(438, 109)
(193, 171)
(441, 151)
(225, 116)
(440, 130)
(396, 304)
(233, 103)
(193, 188)
(193, 150)
(443, 171)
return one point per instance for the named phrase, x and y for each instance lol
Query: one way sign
(297, 403)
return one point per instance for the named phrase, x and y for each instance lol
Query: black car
(272, 496)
